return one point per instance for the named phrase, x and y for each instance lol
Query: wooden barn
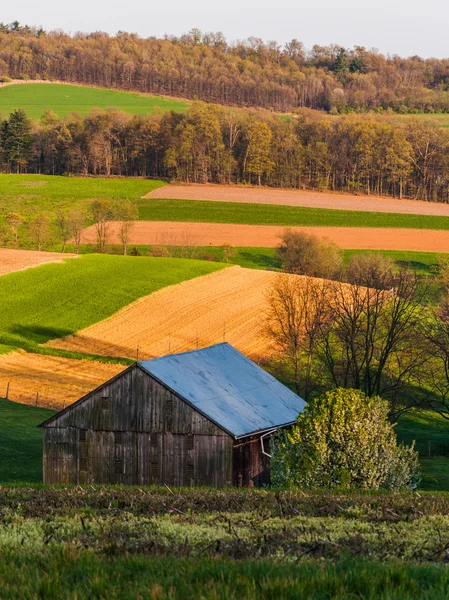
(197, 418)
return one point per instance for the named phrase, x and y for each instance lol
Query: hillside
(244, 73)
(62, 99)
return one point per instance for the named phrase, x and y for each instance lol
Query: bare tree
(126, 213)
(102, 215)
(39, 231)
(76, 223)
(298, 316)
(229, 252)
(375, 343)
(14, 221)
(63, 228)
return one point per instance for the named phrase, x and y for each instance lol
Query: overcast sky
(404, 27)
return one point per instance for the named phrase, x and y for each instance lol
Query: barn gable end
(133, 430)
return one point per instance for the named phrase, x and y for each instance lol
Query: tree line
(244, 73)
(369, 327)
(215, 144)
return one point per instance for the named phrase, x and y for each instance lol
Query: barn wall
(135, 431)
(250, 465)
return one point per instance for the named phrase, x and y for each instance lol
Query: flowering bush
(343, 439)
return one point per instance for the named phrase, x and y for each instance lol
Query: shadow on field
(39, 334)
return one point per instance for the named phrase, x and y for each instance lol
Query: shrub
(343, 439)
(306, 254)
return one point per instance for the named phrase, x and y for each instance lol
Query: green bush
(344, 439)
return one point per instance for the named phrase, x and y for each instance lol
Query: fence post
(37, 398)
(7, 390)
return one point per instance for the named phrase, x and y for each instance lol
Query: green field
(63, 99)
(155, 543)
(55, 300)
(29, 195)
(156, 209)
(81, 575)
(21, 442)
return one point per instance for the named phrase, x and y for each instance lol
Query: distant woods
(213, 144)
(244, 73)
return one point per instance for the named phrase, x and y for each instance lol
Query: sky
(403, 27)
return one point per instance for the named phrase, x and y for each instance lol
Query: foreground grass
(55, 300)
(78, 574)
(21, 441)
(157, 209)
(63, 99)
(29, 195)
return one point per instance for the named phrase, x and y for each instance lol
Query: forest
(248, 73)
(360, 153)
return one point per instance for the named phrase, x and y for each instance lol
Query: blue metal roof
(228, 388)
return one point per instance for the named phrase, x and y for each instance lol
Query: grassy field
(63, 99)
(154, 543)
(29, 195)
(424, 263)
(156, 209)
(54, 300)
(21, 442)
(79, 574)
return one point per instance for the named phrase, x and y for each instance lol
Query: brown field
(334, 200)
(18, 260)
(227, 305)
(58, 381)
(267, 236)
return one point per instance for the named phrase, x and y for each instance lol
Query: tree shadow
(37, 333)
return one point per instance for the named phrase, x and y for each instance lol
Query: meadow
(29, 195)
(55, 300)
(63, 99)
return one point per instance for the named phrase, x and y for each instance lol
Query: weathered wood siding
(250, 465)
(133, 430)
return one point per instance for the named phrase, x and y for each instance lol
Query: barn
(197, 418)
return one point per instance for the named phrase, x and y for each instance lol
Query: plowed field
(254, 195)
(58, 381)
(18, 260)
(267, 236)
(227, 305)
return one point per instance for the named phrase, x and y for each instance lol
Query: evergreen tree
(16, 140)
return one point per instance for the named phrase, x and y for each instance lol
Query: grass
(21, 441)
(153, 543)
(431, 433)
(63, 99)
(29, 195)
(79, 574)
(203, 211)
(55, 300)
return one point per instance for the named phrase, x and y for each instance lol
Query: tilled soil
(268, 236)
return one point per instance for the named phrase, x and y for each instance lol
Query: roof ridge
(186, 352)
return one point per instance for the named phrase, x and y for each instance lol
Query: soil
(58, 381)
(228, 305)
(18, 260)
(168, 233)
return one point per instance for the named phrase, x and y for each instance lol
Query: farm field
(21, 441)
(306, 198)
(109, 542)
(63, 99)
(29, 195)
(169, 233)
(241, 213)
(59, 299)
(58, 381)
(226, 305)
(19, 260)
